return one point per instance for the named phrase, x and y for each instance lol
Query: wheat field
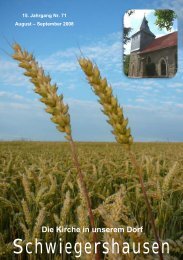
(39, 187)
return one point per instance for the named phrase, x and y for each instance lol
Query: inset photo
(150, 43)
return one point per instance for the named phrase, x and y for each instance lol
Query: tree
(127, 30)
(126, 64)
(165, 19)
(126, 39)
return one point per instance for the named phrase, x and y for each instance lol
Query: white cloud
(103, 53)
(169, 103)
(137, 107)
(14, 105)
(3, 93)
(6, 65)
(10, 95)
(121, 84)
(140, 100)
(176, 85)
(179, 90)
(106, 52)
(82, 103)
(18, 97)
(11, 75)
(179, 105)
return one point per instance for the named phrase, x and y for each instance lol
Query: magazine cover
(91, 130)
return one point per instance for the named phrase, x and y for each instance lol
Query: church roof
(145, 27)
(165, 41)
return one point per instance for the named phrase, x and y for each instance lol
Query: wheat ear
(48, 92)
(56, 107)
(112, 109)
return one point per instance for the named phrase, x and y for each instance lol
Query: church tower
(142, 38)
(139, 41)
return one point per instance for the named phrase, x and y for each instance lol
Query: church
(150, 56)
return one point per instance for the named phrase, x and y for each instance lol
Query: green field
(38, 185)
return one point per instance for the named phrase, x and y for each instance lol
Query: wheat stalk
(56, 107)
(65, 209)
(27, 188)
(112, 109)
(168, 178)
(27, 213)
(39, 221)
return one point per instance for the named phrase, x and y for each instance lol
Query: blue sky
(154, 107)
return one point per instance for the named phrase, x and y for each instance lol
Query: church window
(163, 67)
(148, 59)
(175, 62)
(133, 70)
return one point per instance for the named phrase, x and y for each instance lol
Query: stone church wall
(169, 55)
(137, 65)
(134, 65)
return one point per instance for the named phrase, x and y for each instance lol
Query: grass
(39, 187)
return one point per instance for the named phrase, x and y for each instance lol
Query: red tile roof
(165, 41)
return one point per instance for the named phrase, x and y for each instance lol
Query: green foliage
(127, 30)
(165, 19)
(126, 64)
(126, 37)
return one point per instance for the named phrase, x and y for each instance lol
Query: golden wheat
(113, 190)
(48, 91)
(110, 104)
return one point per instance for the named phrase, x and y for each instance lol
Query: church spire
(145, 27)
(144, 24)
(143, 37)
